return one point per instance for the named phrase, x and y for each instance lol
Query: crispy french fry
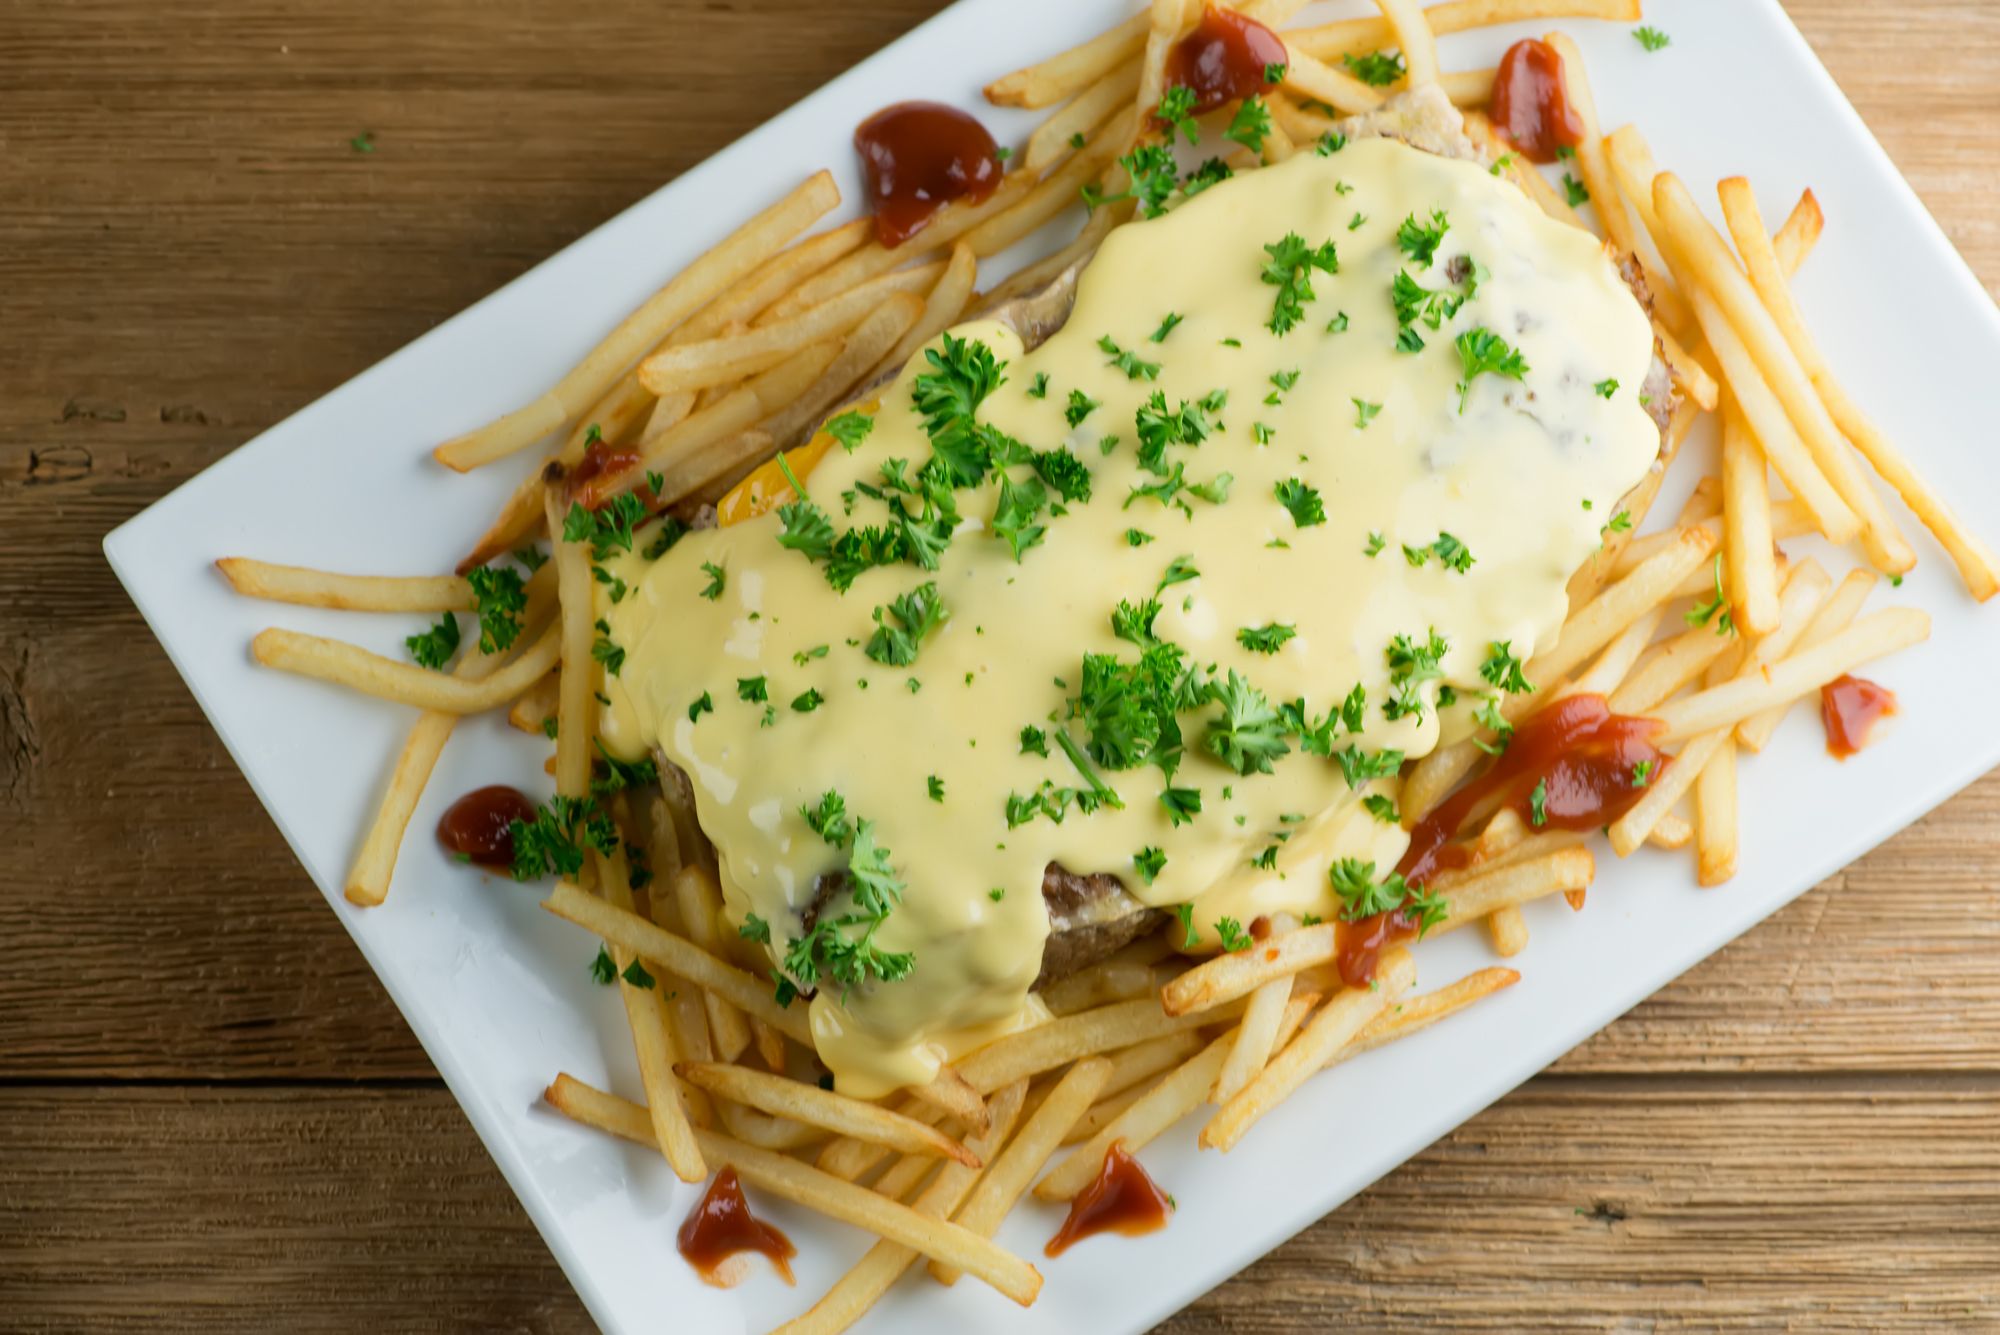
(357, 593)
(1102, 220)
(520, 520)
(741, 252)
(719, 360)
(941, 310)
(847, 1158)
(679, 955)
(404, 683)
(1307, 77)
(1142, 1122)
(770, 1045)
(576, 702)
(1508, 931)
(1669, 832)
(1413, 36)
(836, 1113)
(863, 1286)
(626, 404)
(1061, 75)
(713, 470)
(1672, 665)
(863, 350)
(1134, 1065)
(1054, 137)
(668, 413)
(1238, 973)
(781, 274)
(1620, 605)
(536, 705)
(1800, 233)
(1107, 1110)
(953, 1096)
(1780, 684)
(1974, 560)
(1355, 37)
(1468, 88)
(765, 1131)
(1052, 195)
(1163, 30)
(1047, 1046)
(1007, 1180)
(1325, 1034)
(700, 901)
(1753, 575)
(1696, 244)
(1254, 1039)
(1420, 1013)
(1834, 616)
(1715, 812)
(1514, 883)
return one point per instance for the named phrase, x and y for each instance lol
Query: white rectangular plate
(498, 991)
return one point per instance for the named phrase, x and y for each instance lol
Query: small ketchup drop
(480, 825)
(721, 1226)
(1122, 1199)
(597, 475)
(919, 156)
(1225, 58)
(1530, 109)
(1850, 707)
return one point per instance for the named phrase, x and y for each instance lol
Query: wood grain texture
(1797, 1133)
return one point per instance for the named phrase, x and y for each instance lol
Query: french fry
(885, 1262)
(650, 1042)
(1753, 575)
(1356, 37)
(626, 404)
(952, 1095)
(356, 593)
(1059, 76)
(668, 413)
(1715, 811)
(1254, 1039)
(1619, 605)
(1047, 1046)
(1800, 233)
(576, 702)
(1238, 973)
(836, 1113)
(1142, 1122)
(1789, 518)
(715, 469)
(1468, 88)
(1514, 883)
(1007, 1180)
(536, 705)
(1052, 195)
(764, 1131)
(678, 955)
(1307, 77)
(1974, 560)
(847, 1158)
(1720, 707)
(1163, 29)
(1669, 832)
(770, 1045)
(1325, 1034)
(700, 901)
(1834, 616)
(741, 252)
(1508, 931)
(1102, 220)
(719, 360)
(404, 683)
(781, 274)
(1107, 1110)
(941, 310)
(1697, 244)
(520, 519)
(1672, 665)
(1413, 36)
(1052, 139)
(863, 350)
(1420, 1013)
(1134, 1065)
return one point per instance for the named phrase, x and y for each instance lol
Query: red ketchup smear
(1849, 707)
(1224, 58)
(480, 825)
(919, 156)
(1123, 1199)
(721, 1226)
(1578, 748)
(598, 473)
(1530, 109)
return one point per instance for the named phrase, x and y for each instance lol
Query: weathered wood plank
(1843, 1204)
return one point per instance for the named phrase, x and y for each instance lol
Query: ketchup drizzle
(721, 1226)
(480, 825)
(1530, 110)
(919, 156)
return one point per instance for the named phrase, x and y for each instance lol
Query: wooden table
(210, 1115)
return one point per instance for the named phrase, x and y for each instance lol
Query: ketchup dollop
(1225, 58)
(919, 156)
(1589, 766)
(721, 1226)
(597, 474)
(480, 824)
(1530, 109)
(1122, 1199)
(1849, 707)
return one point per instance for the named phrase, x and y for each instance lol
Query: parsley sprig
(1290, 271)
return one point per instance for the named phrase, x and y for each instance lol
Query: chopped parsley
(607, 529)
(1251, 125)
(1642, 773)
(1136, 538)
(919, 612)
(433, 648)
(1575, 191)
(1081, 405)
(808, 701)
(1234, 938)
(1179, 571)
(1176, 112)
(753, 690)
(1039, 387)
(705, 705)
(1449, 551)
(603, 969)
(635, 974)
(1182, 804)
(1290, 270)
(1480, 351)
(1364, 413)
(1250, 734)
(1128, 362)
(1620, 523)
(1361, 895)
(1699, 614)
(1265, 639)
(1303, 501)
(552, 844)
(1652, 38)
(1329, 144)
(996, 894)
(805, 656)
(1488, 716)
(1375, 544)
(1150, 862)
(1419, 242)
(1604, 389)
(1502, 669)
(1153, 174)
(717, 577)
(935, 787)
(1166, 327)
(1355, 223)
(1338, 324)
(1377, 69)
(605, 651)
(1358, 767)
(500, 598)
(850, 429)
(1411, 665)
(830, 951)
(1538, 800)
(1382, 809)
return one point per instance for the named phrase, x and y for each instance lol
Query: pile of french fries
(745, 351)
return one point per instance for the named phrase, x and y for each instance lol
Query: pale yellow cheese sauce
(1525, 475)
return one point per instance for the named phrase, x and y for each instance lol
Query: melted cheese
(1525, 474)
